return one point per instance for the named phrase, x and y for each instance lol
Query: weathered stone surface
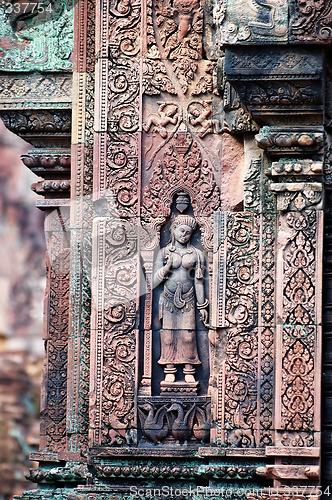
(22, 280)
(277, 82)
(36, 37)
(188, 271)
(255, 22)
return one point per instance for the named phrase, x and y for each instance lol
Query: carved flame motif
(181, 169)
(299, 294)
(297, 394)
(297, 398)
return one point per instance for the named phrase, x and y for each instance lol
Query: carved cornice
(296, 167)
(48, 162)
(53, 165)
(291, 140)
(41, 128)
(289, 472)
(276, 82)
(298, 195)
(37, 107)
(72, 473)
(164, 471)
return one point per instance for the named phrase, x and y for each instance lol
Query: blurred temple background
(22, 284)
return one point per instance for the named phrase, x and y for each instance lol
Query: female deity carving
(180, 266)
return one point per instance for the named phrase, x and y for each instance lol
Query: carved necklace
(183, 251)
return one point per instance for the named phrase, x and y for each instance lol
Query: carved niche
(159, 156)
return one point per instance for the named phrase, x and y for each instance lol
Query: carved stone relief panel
(35, 90)
(81, 224)
(253, 22)
(278, 82)
(310, 22)
(291, 21)
(115, 265)
(54, 398)
(299, 306)
(184, 270)
(158, 155)
(36, 37)
(198, 244)
(243, 316)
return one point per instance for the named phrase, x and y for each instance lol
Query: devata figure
(181, 267)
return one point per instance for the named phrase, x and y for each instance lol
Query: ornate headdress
(186, 220)
(180, 220)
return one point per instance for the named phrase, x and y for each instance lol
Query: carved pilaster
(81, 225)
(327, 358)
(114, 333)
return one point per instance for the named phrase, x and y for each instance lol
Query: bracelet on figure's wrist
(204, 305)
(161, 274)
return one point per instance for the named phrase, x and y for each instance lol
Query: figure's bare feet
(170, 377)
(170, 372)
(163, 132)
(189, 374)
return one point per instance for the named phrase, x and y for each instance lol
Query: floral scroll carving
(122, 173)
(119, 365)
(241, 388)
(115, 316)
(180, 26)
(124, 29)
(241, 301)
(238, 303)
(54, 414)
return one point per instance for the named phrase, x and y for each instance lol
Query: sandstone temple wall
(184, 150)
